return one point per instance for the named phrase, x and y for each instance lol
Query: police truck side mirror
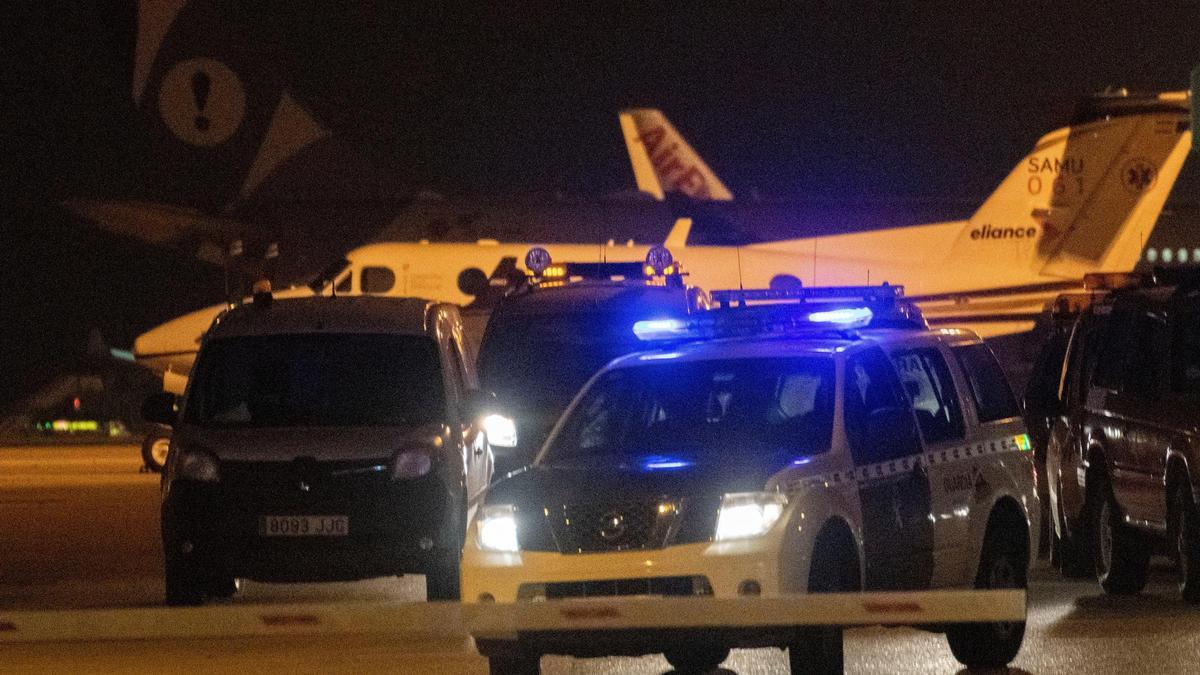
(161, 408)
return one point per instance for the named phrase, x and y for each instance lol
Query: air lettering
(651, 139)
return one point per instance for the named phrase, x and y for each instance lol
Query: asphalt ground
(79, 530)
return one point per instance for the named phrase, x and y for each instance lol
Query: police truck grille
(586, 527)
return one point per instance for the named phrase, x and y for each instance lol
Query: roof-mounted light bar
(659, 263)
(766, 312)
(725, 298)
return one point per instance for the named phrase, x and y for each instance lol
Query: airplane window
(1151, 255)
(1167, 256)
(1196, 255)
(1182, 255)
(377, 280)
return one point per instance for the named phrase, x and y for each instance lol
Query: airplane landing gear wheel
(155, 448)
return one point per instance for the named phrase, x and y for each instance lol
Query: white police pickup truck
(783, 444)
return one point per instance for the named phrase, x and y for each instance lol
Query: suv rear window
(993, 398)
(317, 380)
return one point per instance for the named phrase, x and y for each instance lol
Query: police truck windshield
(317, 380)
(701, 412)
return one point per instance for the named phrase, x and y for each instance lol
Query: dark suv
(1123, 445)
(549, 336)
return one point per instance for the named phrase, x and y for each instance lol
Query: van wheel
(442, 580)
(1122, 554)
(155, 448)
(224, 586)
(698, 659)
(1186, 537)
(183, 586)
(1002, 564)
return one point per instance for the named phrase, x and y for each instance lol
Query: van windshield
(317, 380)
(723, 411)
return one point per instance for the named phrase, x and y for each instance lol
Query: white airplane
(1083, 200)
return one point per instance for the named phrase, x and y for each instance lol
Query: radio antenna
(741, 285)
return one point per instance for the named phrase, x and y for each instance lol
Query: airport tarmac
(81, 532)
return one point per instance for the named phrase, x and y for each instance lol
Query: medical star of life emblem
(1138, 175)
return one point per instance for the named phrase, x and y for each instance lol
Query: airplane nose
(179, 337)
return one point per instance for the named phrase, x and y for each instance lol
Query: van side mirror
(161, 408)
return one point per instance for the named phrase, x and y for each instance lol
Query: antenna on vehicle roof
(741, 284)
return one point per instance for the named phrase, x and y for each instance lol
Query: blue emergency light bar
(835, 309)
(742, 296)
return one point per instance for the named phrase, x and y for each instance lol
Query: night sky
(840, 100)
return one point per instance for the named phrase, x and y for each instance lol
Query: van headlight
(409, 464)
(748, 514)
(497, 528)
(198, 465)
(501, 431)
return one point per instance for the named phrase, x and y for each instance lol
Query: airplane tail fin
(1087, 196)
(663, 162)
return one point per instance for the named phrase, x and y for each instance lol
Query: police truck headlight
(497, 528)
(748, 514)
(501, 431)
(198, 465)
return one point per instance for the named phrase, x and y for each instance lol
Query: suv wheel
(1002, 564)
(1186, 537)
(1122, 554)
(183, 585)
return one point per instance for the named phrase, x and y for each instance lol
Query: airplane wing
(170, 226)
(995, 311)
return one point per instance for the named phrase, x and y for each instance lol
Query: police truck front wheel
(696, 659)
(514, 664)
(154, 449)
(834, 569)
(1002, 564)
